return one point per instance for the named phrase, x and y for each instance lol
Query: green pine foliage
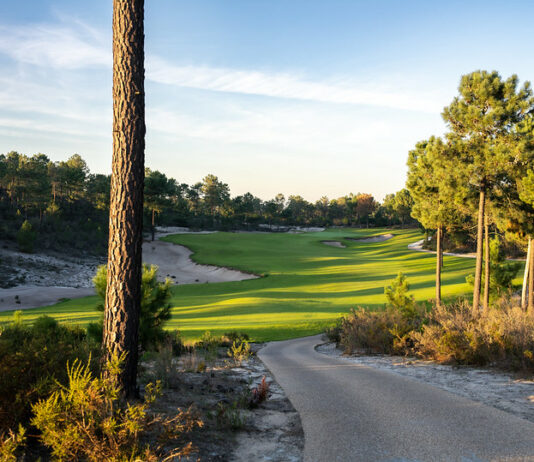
(155, 306)
(26, 237)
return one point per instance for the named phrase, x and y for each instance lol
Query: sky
(273, 96)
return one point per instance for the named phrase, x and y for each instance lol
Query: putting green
(305, 286)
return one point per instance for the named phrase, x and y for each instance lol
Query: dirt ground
(233, 432)
(508, 392)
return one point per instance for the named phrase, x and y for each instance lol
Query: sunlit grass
(306, 284)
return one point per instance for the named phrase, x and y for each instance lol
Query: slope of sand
(334, 244)
(49, 284)
(174, 262)
(369, 240)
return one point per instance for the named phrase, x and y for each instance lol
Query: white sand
(369, 240)
(334, 244)
(49, 283)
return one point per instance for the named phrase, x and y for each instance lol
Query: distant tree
(402, 205)
(157, 194)
(365, 206)
(214, 193)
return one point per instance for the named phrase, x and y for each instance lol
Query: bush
(398, 298)
(10, 444)
(33, 360)
(26, 237)
(88, 420)
(386, 332)
(457, 334)
(239, 352)
(155, 307)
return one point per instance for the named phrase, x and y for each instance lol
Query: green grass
(305, 286)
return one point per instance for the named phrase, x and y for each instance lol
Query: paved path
(352, 412)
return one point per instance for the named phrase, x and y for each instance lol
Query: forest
(61, 204)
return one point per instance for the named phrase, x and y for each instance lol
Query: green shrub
(33, 360)
(155, 307)
(10, 444)
(87, 420)
(398, 298)
(239, 352)
(26, 237)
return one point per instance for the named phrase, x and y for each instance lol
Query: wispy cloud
(62, 46)
(56, 46)
(340, 90)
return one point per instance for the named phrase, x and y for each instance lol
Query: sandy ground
(174, 262)
(274, 431)
(41, 280)
(334, 244)
(494, 388)
(369, 240)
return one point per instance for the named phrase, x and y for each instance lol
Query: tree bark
(486, 266)
(153, 228)
(530, 305)
(123, 293)
(526, 276)
(480, 236)
(439, 256)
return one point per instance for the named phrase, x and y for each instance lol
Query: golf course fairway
(305, 284)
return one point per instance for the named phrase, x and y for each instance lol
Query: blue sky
(299, 97)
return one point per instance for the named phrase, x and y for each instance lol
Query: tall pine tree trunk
(526, 276)
(480, 237)
(439, 262)
(487, 265)
(123, 294)
(530, 304)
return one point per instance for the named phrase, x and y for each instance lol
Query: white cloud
(289, 86)
(55, 46)
(62, 46)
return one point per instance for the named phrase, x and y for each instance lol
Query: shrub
(387, 331)
(457, 334)
(155, 307)
(10, 444)
(397, 296)
(239, 352)
(26, 237)
(235, 336)
(259, 393)
(88, 420)
(33, 360)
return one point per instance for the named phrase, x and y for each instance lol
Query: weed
(239, 352)
(259, 393)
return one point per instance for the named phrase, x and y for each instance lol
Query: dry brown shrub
(457, 334)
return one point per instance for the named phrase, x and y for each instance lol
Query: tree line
(480, 175)
(62, 199)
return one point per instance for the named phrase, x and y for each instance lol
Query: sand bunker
(49, 287)
(369, 240)
(174, 262)
(334, 244)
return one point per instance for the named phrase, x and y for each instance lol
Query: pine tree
(123, 294)
(482, 117)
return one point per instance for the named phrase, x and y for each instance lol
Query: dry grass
(453, 333)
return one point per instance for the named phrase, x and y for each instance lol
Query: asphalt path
(351, 412)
